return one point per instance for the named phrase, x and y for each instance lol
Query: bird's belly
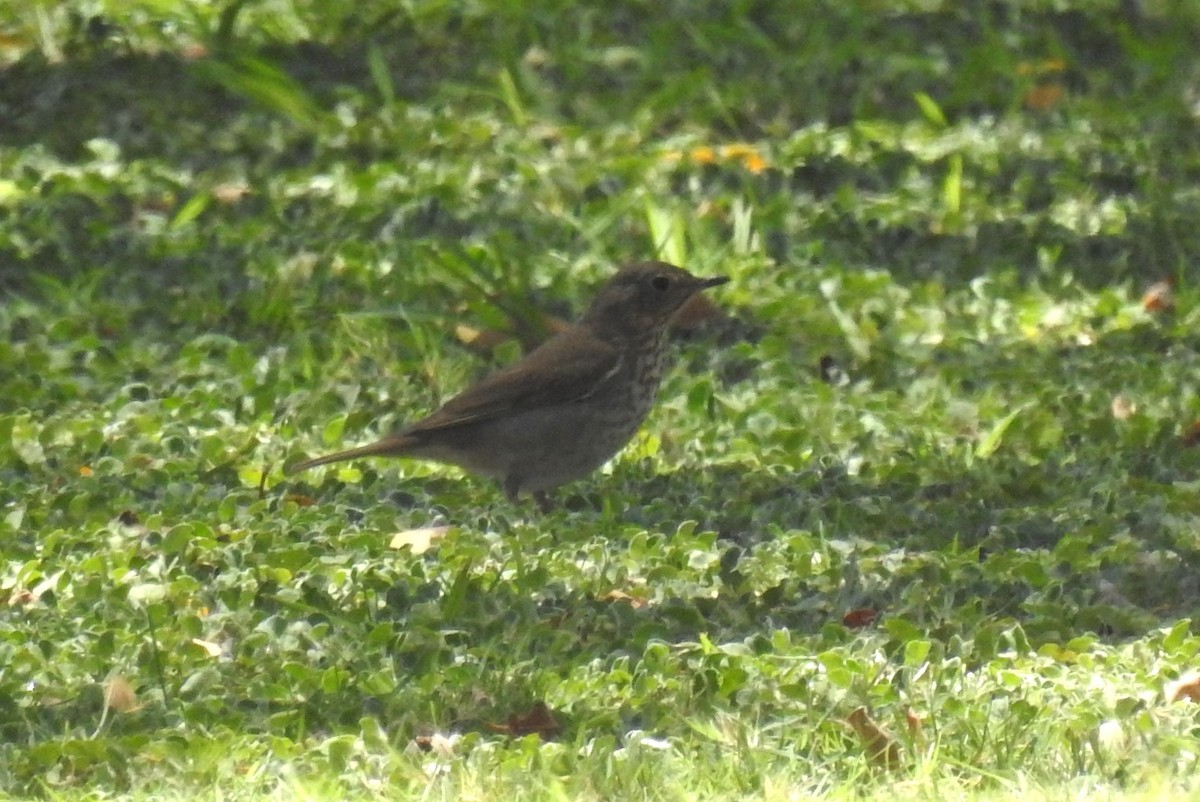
(544, 448)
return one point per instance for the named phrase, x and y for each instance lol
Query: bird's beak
(715, 281)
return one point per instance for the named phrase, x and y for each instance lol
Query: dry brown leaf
(620, 595)
(1123, 407)
(231, 192)
(481, 341)
(538, 721)
(1186, 687)
(862, 617)
(1191, 435)
(194, 52)
(916, 727)
(882, 748)
(1044, 97)
(19, 597)
(299, 499)
(419, 540)
(1159, 296)
(119, 695)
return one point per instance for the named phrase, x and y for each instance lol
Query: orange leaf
(300, 500)
(862, 617)
(1186, 688)
(1159, 296)
(882, 749)
(85, 471)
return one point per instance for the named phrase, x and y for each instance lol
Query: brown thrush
(567, 407)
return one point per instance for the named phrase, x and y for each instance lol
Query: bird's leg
(542, 498)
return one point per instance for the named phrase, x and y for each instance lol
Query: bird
(568, 406)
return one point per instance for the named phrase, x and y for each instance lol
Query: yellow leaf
(419, 540)
(213, 649)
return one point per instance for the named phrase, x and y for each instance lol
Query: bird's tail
(392, 446)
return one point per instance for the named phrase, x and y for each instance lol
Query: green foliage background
(231, 235)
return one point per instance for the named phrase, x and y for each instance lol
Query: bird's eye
(660, 283)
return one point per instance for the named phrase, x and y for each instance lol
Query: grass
(937, 466)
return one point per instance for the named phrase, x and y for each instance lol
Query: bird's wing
(562, 370)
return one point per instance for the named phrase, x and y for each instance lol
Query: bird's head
(643, 297)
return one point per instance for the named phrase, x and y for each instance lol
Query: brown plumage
(566, 408)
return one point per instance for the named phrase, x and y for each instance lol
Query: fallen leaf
(119, 696)
(748, 155)
(1123, 407)
(19, 597)
(443, 745)
(230, 192)
(482, 341)
(85, 471)
(915, 725)
(1044, 97)
(862, 617)
(538, 721)
(194, 52)
(299, 499)
(9, 40)
(620, 595)
(530, 335)
(212, 649)
(751, 159)
(882, 749)
(1186, 687)
(1159, 296)
(1191, 435)
(1043, 67)
(419, 540)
